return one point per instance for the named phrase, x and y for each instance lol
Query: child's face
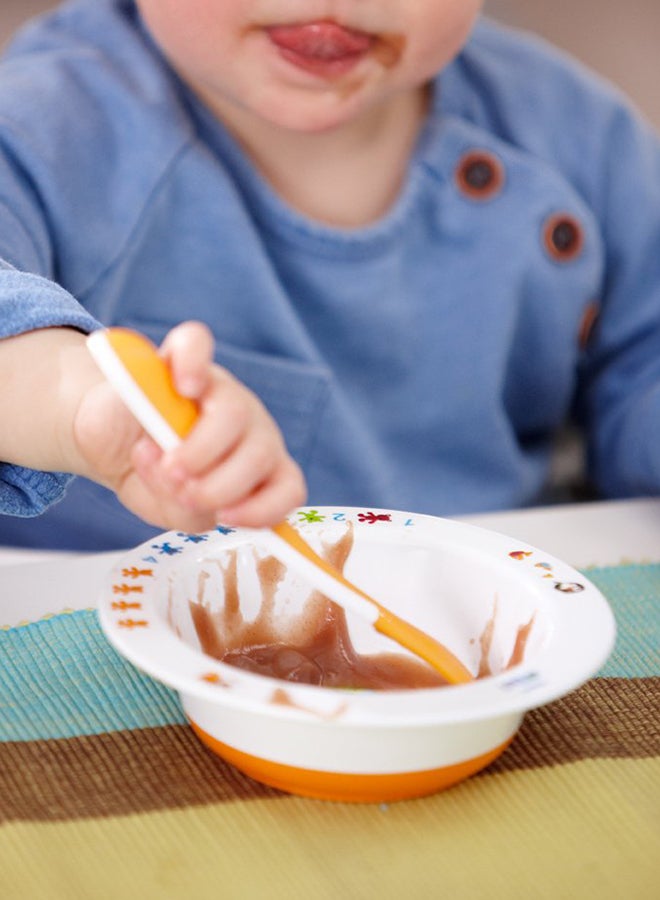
(307, 65)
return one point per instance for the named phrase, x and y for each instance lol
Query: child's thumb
(188, 351)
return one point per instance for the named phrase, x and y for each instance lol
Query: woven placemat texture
(96, 753)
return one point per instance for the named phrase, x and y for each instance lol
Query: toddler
(422, 240)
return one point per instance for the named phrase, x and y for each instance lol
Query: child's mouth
(323, 48)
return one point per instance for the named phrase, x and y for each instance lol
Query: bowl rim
(580, 640)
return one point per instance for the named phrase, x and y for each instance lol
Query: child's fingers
(188, 351)
(234, 459)
(258, 504)
(228, 415)
(271, 502)
(145, 497)
(145, 492)
(145, 456)
(250, 463)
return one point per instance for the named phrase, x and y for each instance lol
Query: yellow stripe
(590, 829)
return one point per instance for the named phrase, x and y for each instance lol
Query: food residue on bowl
(322, 653)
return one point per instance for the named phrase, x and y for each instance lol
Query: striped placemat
(105, 792)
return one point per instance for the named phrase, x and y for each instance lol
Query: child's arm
(59, 414)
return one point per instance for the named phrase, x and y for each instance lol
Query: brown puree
(317, 649)
(329, 658)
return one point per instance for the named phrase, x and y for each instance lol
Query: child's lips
(324, 48)
(320, 40)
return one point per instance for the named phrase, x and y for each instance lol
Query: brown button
(480, 175)
(563, 237)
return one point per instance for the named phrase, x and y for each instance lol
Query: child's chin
(309, 118)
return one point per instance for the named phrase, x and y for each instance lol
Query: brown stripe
(607, 718)
(164, 768)
(114, 774)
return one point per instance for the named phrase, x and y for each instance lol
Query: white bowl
(474, 590)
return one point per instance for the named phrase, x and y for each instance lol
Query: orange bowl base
(349, 787)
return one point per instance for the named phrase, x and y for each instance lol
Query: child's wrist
(45, 372)
(78, 375)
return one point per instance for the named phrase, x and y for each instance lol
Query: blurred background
(619, 40)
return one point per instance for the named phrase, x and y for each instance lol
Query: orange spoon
(143, 381)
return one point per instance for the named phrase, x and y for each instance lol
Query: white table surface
(606, 533)
(35, 584)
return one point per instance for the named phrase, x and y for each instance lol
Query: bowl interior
(470, 599)
(176, 605)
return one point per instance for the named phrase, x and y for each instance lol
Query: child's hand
(233, 467)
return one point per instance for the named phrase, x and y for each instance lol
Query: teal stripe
(634, 595)
(60, 678)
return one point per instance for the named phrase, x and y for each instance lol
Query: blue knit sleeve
(28, 302)
(25, 492)
(620, 397)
